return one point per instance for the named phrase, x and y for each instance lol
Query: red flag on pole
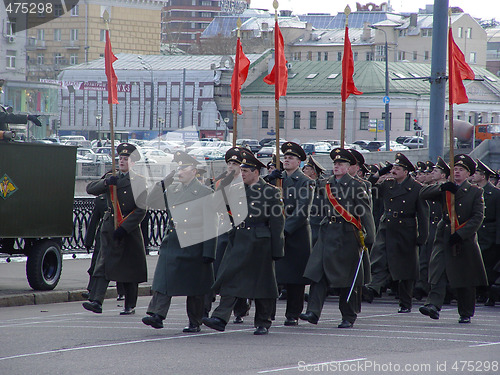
(458, 70)
(240, 73)
(348, 87)
(109, 59)
(279, 74)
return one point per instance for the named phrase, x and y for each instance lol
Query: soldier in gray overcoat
(335, 257)
(488, 235)
(403, 227)
(314, 170)
(247, 268)
(184, 266)
(122, 256)
(456, 257)
(297, 196)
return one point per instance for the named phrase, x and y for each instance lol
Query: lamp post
(226, 120)
(149, 68)
(98, 121)
(161, 121)
(387, 123)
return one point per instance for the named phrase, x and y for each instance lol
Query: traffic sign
(386, 99)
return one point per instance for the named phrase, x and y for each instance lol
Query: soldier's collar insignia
(7, 187)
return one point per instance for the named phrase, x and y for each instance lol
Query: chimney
(367, 32)
(413, 19)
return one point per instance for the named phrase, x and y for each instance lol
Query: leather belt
(399, 215)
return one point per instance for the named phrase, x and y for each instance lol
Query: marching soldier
(488, 234)
(403, 227)
(297, 196)
(122, 256)
(314, 171)
(184, 266)
(247, 269)
(439, 174)
(456, 257)
(335, 257)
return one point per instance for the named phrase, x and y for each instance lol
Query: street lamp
(387, 124)
(98, 120)
(226, 120)
(161, 121)
(149, 68)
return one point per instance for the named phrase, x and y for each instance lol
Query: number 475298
(29, 8)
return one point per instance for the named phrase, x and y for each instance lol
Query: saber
(355, 275)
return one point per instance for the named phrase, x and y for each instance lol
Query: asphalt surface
(63, 338)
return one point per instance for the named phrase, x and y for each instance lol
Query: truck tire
(44, 265)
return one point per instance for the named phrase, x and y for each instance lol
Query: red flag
(458, 70)
(109, 59)
(279, 75)
(240, 74)
(348, 87)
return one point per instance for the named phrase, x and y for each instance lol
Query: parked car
(401, 139)
(334, 143)
(380, 146)
(268, 141)
(252, 143)
(266, 152)
(357, 148)
(81, 151)
(362, 142)
(159, 156)
(414, 142)
(317, 148)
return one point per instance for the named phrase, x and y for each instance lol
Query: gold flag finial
(238, 25)
(275, 6)
(347, 11)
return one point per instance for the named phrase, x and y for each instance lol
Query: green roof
(311, 77)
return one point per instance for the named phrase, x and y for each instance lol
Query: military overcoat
(465, 269)
(337, 252)
(247, 269)
(297, 198)
(124, 259)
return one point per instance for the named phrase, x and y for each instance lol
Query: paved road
(62, 338)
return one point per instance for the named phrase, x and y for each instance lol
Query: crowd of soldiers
(360, 232)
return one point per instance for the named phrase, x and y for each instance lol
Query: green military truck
(37, 183)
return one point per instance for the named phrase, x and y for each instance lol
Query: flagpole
(112, 136)
(452, 212)
(347, 11)
(276, 91)
(236, 69)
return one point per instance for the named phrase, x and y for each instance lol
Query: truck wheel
(44, 265)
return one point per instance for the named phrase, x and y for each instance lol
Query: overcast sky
(486, 9)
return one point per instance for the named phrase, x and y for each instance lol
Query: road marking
(488, 344)
(310, 365)
(119, 344)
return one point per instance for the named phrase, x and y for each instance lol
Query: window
(265, 119)
(73, 36)
(364, 119)
(401, 55)
(10, 59)
(57, 58)
(329, 120)
(402, 32)
(426, 33)
(408, 121)
(468, 35)
(369, 56)
(11, 28)
(57, 35)
(319, 56)
(473, 57)
(380, 51)
(73, 59)
(426, 55)
(339, 56)
(312, 119)
(206, 15)
(325, 56)
(296, 56)
(414, 56)
(309, 55)
(74, 11)
(58, 10)
(296, 119)
(460, 32)
(39, 59)
(355, 56)
(40, 34)
(282, 120)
